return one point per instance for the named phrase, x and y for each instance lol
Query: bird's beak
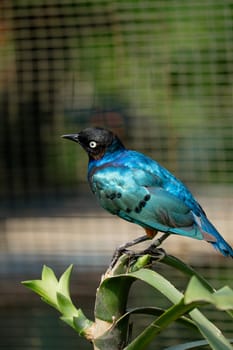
(72, 137)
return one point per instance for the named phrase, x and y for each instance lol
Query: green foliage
(111, 327)
(56, 293)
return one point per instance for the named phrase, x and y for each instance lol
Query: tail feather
(223, 247)
(218, 241)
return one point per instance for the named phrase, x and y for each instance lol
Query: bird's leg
(123, 248)
(153, 247)
(153, 250)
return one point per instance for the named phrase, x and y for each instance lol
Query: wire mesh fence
(158, 73)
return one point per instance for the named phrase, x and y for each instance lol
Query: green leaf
(82, 324)
(111, 297)
(207, 329)
(122, 322)
(79, 323)
(155, 312)
(178, 264)
(160, 283)
(64, 282)
(224, 298)
(46, 287)
(49, 276)
(40, 288)
(66, 306)
(141, 262)
(191, 345)
(57, 294)
(196, 291)
(49, 287)
(162, 322)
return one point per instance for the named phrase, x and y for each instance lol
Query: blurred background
(159, 74)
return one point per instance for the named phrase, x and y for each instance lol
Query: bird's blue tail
(219, 244)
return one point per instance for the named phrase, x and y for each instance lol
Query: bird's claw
(155, 253)
(118, 252)
(123, 249)
(153, 250)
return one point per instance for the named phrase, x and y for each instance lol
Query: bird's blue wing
(168, 181)
(137, 196)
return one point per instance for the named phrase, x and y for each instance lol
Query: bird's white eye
(92, 144)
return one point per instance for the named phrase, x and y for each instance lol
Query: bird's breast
(107, 178)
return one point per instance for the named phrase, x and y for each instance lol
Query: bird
(139, 190)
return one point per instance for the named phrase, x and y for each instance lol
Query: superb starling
(138, 189)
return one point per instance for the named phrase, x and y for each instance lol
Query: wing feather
(137, 196)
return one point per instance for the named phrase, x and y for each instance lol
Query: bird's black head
(96, 141)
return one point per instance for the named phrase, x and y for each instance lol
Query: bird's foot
(156, 254)
(122, 249)
(153, 250)
(118, 252)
